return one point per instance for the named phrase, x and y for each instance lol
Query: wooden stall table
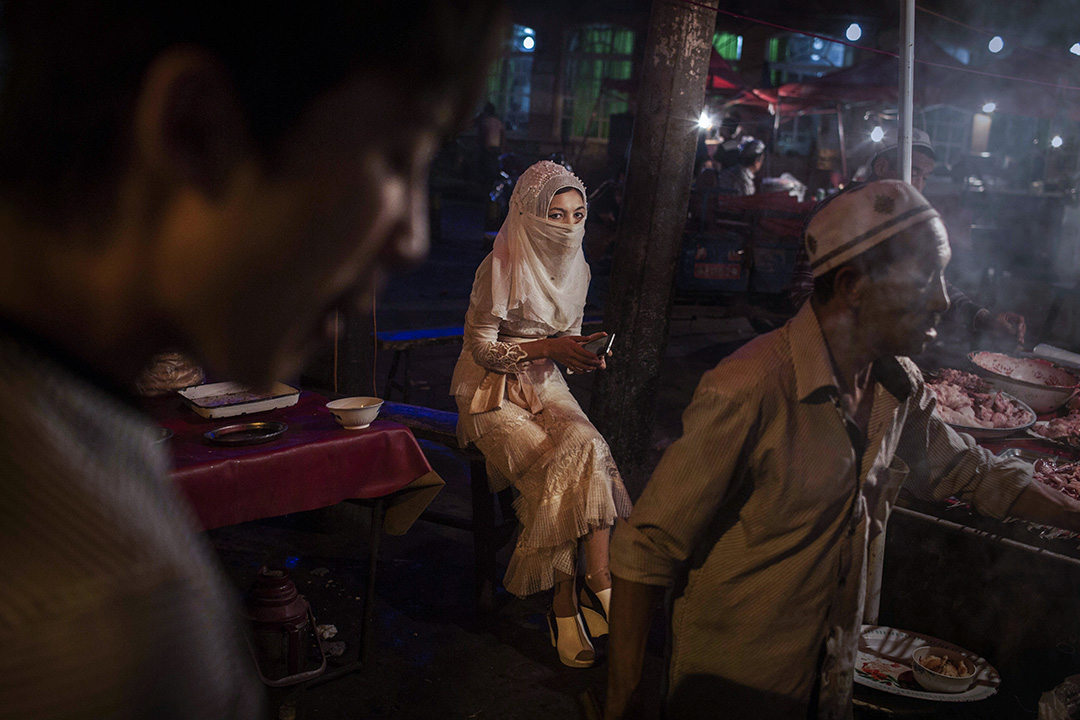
(315, 463)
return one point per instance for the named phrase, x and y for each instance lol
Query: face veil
(538, 268)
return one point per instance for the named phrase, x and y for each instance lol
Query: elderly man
(963, 311)
(757, 521)
(205, 176)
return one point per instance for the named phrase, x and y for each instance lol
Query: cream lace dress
(559, 463)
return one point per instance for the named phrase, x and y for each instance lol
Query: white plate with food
(228, 399)
(884, 663)
(1064, 431)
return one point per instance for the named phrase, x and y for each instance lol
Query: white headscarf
(538, 269)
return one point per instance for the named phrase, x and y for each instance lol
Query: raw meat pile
(1062, 427)
(965, 399)
(1065, 478)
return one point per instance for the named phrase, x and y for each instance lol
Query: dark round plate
(249, 433)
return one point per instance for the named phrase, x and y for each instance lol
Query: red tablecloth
(315, 463)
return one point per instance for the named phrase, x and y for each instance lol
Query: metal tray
(1029, 455)
(983, 433)
(228, 399)
(249, 433)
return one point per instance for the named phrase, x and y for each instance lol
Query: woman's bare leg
(597, 575)
(564, 603)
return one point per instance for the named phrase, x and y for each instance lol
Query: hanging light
(1075, 49)
(1057, 141)
(996, 44)
(854, 32)
(705, 121)
(989, 107)
(528, 42)
(877, 134)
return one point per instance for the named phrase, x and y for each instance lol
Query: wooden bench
(402, 343)
(489, 535)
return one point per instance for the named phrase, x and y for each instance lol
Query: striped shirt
(110, 604)
(759, 518)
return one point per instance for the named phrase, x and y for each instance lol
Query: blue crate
(713, 263)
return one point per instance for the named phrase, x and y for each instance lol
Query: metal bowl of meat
(1044, 386)
(969, 404)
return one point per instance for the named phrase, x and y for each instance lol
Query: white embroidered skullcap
(861, 218)
(920, 140)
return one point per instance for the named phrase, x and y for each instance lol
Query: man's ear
(849, 285)
(882, 167)
(189, 127)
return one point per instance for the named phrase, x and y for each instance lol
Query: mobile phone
(600, 346)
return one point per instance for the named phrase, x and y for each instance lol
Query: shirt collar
(815, 380)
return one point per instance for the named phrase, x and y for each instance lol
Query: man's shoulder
(760, 367)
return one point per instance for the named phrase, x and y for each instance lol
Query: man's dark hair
(74, 69)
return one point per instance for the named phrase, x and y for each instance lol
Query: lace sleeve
(482, 341)
(505, 357)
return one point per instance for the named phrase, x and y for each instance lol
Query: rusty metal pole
(671, 96)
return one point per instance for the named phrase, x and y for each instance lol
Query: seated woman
(525, 312)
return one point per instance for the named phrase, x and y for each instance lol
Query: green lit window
(509, 82)
(598, 57)
(794, 57)
(728, 46)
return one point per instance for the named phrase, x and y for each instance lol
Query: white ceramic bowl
(1045, 387)
(355, 413)
(935, 681)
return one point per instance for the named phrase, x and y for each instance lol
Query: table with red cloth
(315, 463)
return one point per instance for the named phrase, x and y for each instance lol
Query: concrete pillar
(653, 217)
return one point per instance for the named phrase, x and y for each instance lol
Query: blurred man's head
(752, 154)
(885, 164)
(878, 253)
(236, 171)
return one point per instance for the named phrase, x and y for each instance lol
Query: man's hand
(632, 606)
(1045, 506)
(1005, 327)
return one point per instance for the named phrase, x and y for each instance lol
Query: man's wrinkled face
(922, 167)
(902, 304)
(346, 199)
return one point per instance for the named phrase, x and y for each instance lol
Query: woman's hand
(568, 351)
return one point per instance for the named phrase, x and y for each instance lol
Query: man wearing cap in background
(758, 519)
(739, 178)
(963, 311)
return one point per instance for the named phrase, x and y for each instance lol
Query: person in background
(490, 135)
(202, 178)
(757, 521)
(963, 312)
(730, 138)
(525, 314)
(739, 178)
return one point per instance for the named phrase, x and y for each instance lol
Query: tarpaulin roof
(722, 76)
(939, 79)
